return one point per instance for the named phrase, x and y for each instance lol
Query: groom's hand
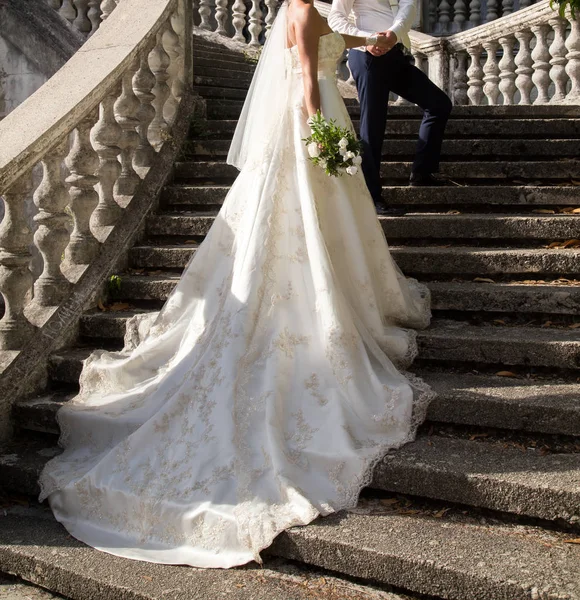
(385, 44)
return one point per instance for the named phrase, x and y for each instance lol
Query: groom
(377, 73)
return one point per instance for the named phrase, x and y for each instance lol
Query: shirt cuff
(396, 30)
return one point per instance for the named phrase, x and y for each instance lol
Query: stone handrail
(74, 155)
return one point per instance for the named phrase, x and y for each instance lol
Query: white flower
(343, 143)
(357, 160)
(349, 155)
(352, 170)
(313, 149)
(323, 163)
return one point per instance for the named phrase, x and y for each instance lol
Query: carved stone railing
(81, 149)
(529, 57)
(444, 17)
(84, 15)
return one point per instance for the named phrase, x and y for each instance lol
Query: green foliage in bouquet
(333, 148)
(563, 4)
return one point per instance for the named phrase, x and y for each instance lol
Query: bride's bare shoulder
(304, 13)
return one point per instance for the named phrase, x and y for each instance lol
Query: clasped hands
(385, 42)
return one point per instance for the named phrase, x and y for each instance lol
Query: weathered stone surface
(504, 402)
(215, 66)
(38, 549)
(65, 365)
(440, 557)
(505, 297)
(416, 260)
(186, 195)
(105, 325)
(12, 588)
(39, 414)
(486, 261)
(485, 474)
(412, 226)
(458, 341)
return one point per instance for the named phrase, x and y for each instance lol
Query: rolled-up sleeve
(338, 19)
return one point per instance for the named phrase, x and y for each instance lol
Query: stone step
(456, 127)
(420, 261)
(489, 147)
(231, 110)
(210, 52)
(202, 63)
(65, 366)
(412, 226)
(38, 549)
(540, 406)
(445, 340)
(445, 295)
(448, 340)
(205, 80)
(530, 196)
(455, 557)
(564, 169)
(479, 473)
(210, 92)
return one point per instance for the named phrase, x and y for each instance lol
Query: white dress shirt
(371, 16)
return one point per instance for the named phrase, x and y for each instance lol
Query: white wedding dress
(269, 384)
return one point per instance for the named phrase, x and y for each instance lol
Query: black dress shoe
(426, 180)
(383, 209)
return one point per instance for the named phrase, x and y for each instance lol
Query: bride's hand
(386, 41)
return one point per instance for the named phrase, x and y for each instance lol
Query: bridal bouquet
(333, 148)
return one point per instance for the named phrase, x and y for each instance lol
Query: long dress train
(270, 383)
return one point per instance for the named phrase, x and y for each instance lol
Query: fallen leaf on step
(408, 512)
(100, 305)
(484, 280)
(389, 501)
(119, 306)
(478, 435)
(574, 326)
(544, 211)
(572, 541)
(555, 245)
(575, 182)
(576, 211)
(440, 513)
(571, 243)
(190, 242)
(499, 322)
(452, 212)
(547, 324)
(506, 374)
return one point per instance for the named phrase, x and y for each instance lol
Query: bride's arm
(307, 31)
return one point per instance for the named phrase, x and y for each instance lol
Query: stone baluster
(94, 15)
(15, 259)
(143, 83)
(270, 15)
(541, 66)
(107, 7)
(460, 85)
(172, 46)
(526, 3)
(491, 11)
(524, 62)
(475, 76)
(507, 7)
(52, 236)
(125, 109)
(159, 62)
(106, 137)
(221, 15)
(67, 11)
(55, 4)
(475, 12)
(420, 61)
(195, 10)
(491, 71)
(459, 14)
(507, 70)
(82, 163)
(255, 26)
(431, 15)
(573, 61)
(205, 14)
(443, 17)
(239, 20)
(82, 22)
(558, 61)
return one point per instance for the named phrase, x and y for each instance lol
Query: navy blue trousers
(376, 77)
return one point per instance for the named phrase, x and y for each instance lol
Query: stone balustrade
(92, 142)
(444, 17)
(84, 15)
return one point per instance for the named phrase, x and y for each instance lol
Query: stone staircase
(486, 503)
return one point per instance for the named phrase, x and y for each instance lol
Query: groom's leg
(413, 85)
(373, 97)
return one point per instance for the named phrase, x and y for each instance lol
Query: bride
(272, 381)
